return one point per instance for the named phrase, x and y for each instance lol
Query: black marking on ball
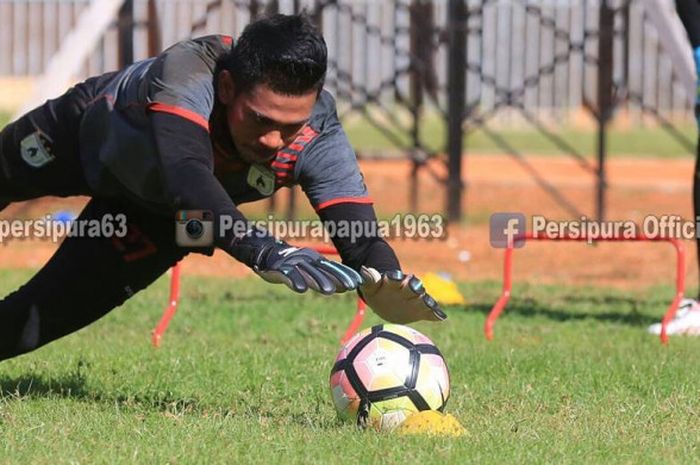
(350, 371)
(339, 365)
(386, 394)
(428, 349)
(418, 400)
(402, 341)
(414, 363)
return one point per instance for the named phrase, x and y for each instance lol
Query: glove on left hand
(398, 298)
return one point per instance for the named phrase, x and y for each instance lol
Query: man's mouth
(252, 154)
(264, 156)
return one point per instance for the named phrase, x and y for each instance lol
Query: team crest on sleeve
(262, 179)
(35, 150)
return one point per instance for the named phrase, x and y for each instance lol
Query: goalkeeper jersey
(119, 146)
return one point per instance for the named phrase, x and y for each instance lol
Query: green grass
(242, 378)
(637, 142)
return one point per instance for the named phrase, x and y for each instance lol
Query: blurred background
(459, 107)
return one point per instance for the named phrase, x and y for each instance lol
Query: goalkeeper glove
(298, 268)
(398, 298)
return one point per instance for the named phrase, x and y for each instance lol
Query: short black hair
(286, 52)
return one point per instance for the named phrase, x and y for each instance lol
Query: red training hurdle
(171, 309)
(508, 273)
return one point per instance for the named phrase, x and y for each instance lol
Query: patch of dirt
(637, 188)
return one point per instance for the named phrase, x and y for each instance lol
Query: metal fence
(510, 42)
(472, 62)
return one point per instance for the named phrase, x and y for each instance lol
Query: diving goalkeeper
(206, 125)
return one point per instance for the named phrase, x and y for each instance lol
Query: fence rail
(472, 62)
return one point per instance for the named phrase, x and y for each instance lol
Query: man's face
(262, 121)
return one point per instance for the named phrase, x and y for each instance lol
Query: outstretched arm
(393, 295)
(331, 179)
(187, 166)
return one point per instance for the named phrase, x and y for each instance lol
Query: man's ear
(226, 89)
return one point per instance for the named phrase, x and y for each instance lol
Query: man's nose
(272, 140)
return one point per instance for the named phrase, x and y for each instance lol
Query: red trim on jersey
(290, 156)
(330, 203)
(285, 165)
(227, 40)
(182, 112)
(307, 135)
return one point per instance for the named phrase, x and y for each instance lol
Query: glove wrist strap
(253, 248)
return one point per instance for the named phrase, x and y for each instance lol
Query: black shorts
(86, 277)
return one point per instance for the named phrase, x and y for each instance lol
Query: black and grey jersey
(120, 153)
(149, 133)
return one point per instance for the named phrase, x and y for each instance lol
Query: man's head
(269, 83)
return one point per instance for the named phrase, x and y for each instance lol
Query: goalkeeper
(206, 125)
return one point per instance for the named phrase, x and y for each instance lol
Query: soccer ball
(386, 373)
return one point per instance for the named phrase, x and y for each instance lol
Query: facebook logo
(505, 228)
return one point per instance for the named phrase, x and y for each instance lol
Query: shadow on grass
(71, 386)
(604, 309)
(74, 386)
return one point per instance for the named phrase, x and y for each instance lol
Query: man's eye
(260, 119)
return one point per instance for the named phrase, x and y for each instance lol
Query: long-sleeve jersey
(151, 130)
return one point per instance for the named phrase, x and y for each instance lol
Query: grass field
(638, 142)
(635, 141)
(242, 378)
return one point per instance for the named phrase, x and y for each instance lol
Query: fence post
(606, 103)
(272, 7)
(154, 43)
(456, 72)
(125, 26)
(417, 34)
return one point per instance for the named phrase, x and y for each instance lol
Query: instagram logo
(194, 228)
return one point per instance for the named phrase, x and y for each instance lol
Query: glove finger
(411, 287)
(316, 279)
(337, 283)
(348, 278)
(371, 281)
(295, 280)
(416, 288)
(438, 314)
(284, 276)
(330, 273)
(419, 308)
(354, 275)
(415, 285)
(393, 280)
